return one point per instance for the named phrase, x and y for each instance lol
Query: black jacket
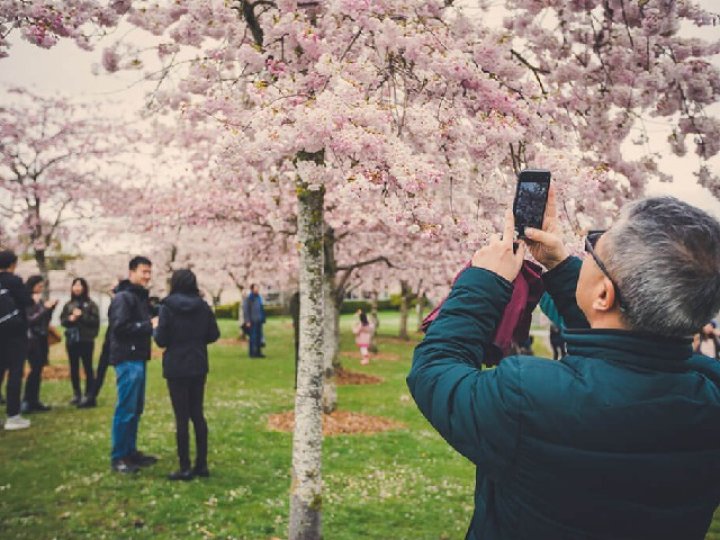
(130, 327)
(38, 320)
(89, 322)
(23, 300)
(187, 325)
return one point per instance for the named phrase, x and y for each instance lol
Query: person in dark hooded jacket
(186, 326)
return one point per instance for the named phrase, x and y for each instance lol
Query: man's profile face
(141, 275)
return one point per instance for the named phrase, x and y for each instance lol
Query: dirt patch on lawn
(381, 356)
(343, 377)
(338, 423)
(53, 372)
(230, 342)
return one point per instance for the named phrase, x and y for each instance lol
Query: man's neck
(607, 321)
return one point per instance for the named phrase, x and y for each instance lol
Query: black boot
(201, 470)
(180, 474)
(75, 400)
(87, 403)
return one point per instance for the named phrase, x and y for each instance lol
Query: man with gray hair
(621, 438)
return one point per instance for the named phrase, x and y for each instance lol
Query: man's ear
(604, 296)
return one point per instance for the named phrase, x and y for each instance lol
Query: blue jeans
(130, 378)
(256, 337)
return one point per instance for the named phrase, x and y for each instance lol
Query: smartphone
(531, 199)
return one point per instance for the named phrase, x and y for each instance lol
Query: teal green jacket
(618, 440)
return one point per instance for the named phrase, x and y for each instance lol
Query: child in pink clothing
(363, 330)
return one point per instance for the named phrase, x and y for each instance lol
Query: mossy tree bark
(306, 489)
(331, 324)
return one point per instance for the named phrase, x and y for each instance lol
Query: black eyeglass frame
(590, 241)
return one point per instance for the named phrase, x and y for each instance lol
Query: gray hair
(664, 255)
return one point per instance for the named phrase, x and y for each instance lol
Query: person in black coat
(130, 326)
(38, 317)
(81, 319)
(186, 326)
(13, 338)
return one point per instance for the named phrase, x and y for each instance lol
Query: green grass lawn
(55, 480)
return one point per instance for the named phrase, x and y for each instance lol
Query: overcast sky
(67, 70)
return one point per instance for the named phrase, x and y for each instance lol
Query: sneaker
(87, 403)
(124, 466)
(16, 422)
(181, 475)
(201, 471)
(142, 460)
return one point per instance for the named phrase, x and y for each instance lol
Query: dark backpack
(9, 312)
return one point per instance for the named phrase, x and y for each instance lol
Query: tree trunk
(420, 309)
(404, 309)
(331, 323)
(306, 488)
(330, 349)
(375, 320)
(42, 265)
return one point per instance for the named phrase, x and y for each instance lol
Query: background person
(104, 360)
(38, 317)
(602, 443)
(254, 318)
(363, 330)
(13, 337)
(81, 318)
(131, 328)
(556, 342)
(707, 341)
(186, 326)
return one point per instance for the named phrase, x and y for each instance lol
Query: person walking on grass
(254, 318)
(619, 438)
(81, 319)
(14, 302)
(131, 327)
(38, 317)
(186, 326)
(364, 331)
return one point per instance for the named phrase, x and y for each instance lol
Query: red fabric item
(516, 319)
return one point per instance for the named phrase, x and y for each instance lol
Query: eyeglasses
(591, 241)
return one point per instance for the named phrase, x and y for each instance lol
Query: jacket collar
(125, 285)
(649, 351)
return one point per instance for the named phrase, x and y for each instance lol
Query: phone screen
(531, 199)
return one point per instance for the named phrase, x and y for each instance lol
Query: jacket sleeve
(65, 315)
(124, 325)
(560, 283)
(213, 331)
(91, 317)
(162, 333)
(35, 313)
(476, 411)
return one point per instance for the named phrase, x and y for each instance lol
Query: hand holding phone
(546, 244)
(531, 198)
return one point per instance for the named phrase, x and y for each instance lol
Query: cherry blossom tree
(55, 168)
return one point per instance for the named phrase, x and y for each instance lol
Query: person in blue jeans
(131, 327)
(254, 318)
